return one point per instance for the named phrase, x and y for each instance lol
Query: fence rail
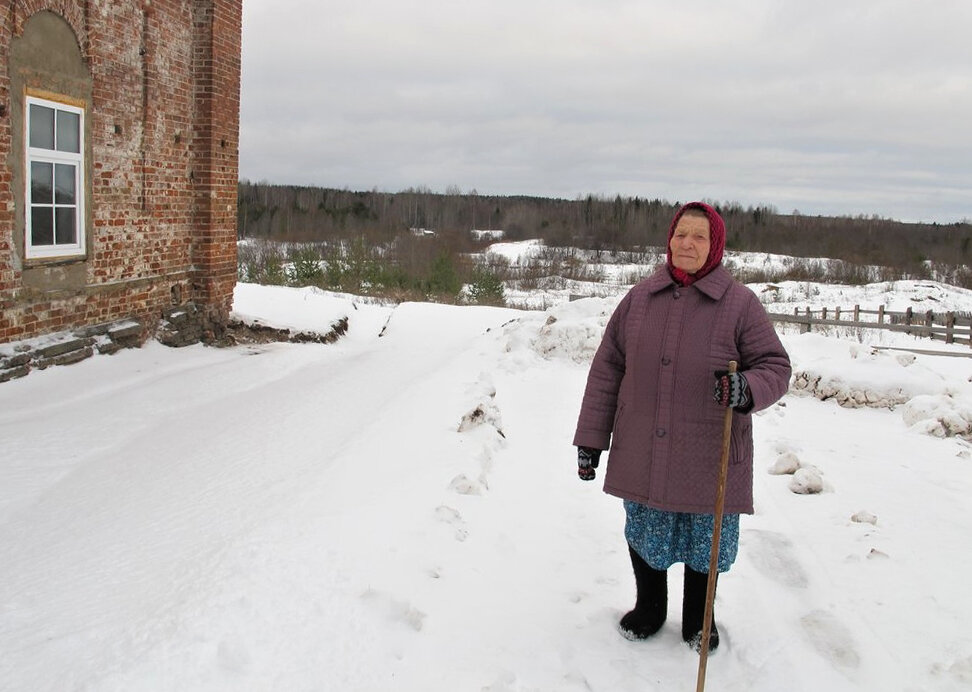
(950, 327)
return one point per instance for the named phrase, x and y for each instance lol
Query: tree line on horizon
(620, 224)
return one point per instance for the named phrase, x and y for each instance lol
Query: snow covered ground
(400, 511)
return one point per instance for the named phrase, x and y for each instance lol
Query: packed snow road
(130, 483)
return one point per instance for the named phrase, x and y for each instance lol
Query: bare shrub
(261, 262)
(825, 271)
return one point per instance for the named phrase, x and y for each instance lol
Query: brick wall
(161, 84)
(9, 275)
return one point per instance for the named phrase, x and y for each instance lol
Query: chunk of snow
(785, 464)
(940, 415)
(864, 517)
(806, 481)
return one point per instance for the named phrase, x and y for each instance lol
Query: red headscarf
(717, 243)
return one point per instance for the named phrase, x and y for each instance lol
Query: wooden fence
(950, 327)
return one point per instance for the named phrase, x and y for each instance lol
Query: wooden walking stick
(716, 534)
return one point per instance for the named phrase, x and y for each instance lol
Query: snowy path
(300, 517)
(136, 523)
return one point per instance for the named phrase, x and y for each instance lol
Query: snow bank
(574, 330)
(568, 331)
(943, 415)
(298, 309)
(932, 399)
(864, 377)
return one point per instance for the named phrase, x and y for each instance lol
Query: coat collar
(714, 284)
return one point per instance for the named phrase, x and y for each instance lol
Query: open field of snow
(400, 511)
(617, 273)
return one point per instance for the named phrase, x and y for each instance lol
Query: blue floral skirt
(664, 538)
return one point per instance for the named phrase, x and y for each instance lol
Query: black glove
(587, 460)
(731, 389)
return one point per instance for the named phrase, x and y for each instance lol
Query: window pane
(41, 126)
(68, 132)
(41, 226)
(63, 184)
(41, 182)
(65, 226)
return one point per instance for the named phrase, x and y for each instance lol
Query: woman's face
(690, 242)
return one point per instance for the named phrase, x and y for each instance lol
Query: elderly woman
(655, 395)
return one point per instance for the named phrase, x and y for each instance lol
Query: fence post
(950, 327)
(823, 313)
(857, 313)
(809, 320)
(880, 314)
(796, 313)
(837, 313)
(909, 315)
(930, 322)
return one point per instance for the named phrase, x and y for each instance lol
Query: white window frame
(53, 156)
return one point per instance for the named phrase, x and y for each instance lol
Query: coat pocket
(741, 439)
(617, 439)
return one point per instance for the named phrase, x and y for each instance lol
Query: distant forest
(292, 213)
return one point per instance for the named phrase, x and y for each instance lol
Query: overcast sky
(826, 107)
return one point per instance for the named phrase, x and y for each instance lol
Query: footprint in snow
(959, 671)
(504, 682)
(772, 554)
(831, 639)
(394, 609)
(464, 485)
(453, 518)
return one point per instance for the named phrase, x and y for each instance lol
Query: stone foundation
(179, 326)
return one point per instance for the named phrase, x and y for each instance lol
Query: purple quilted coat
(649, 391)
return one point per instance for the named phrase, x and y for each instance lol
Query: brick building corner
(119, 129)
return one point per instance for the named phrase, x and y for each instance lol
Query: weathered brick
(162, 109)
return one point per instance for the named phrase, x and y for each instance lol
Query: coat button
(666, 360)
(676, 295)
(660, 432)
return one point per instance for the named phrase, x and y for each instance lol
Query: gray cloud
(829, 107)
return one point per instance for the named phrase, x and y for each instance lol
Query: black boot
(693, 611)
(651, 607)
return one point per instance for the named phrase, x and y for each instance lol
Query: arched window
(51, 97)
